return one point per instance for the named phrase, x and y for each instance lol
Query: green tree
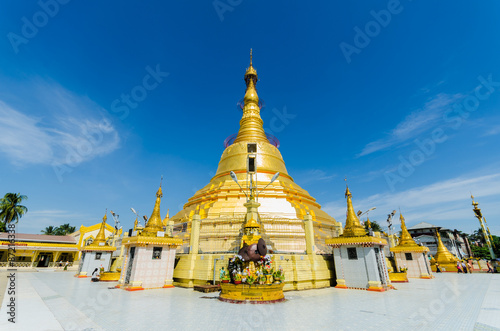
(11, 209)
(51, 230)
(66, 229)
(375, 226)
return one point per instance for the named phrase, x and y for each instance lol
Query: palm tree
(66, 229)
(11, 209)
(51, 230)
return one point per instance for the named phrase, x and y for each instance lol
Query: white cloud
(414, 124)
(446, 203)
(71, 130)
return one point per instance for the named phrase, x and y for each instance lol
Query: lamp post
(389, 221)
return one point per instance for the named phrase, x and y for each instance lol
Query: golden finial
(251, 124)
(155, 223)
(353, 227)
(167, 218)
(101, 235)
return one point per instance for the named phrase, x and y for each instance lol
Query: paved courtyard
(58, 301)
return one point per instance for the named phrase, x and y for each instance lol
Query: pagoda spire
(155, 223)
(167, 217)
(353, 227)
(406, 238)
(251, 124)
(101, 235)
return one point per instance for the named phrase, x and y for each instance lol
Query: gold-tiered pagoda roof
(406, 242)
(354, 232)
(149, 235)
(99, 243)
(443, 255)
(222, 198)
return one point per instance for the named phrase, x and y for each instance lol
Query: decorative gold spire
(167, 217)
(353, 227)
(251, 125)
(155, 223)
(443, 255)
(406, 239)
(101, 235)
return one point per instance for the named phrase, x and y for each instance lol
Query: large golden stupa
(283, 203)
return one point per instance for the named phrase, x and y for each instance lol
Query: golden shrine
(359, 258)
(217, 211)
(96, 255)
(411, 256)
(150, 254)
(445, 260)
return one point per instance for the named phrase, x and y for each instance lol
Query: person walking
(437, 267)
(459, 267)
(464, 267)
(489, 267)
(66, 266)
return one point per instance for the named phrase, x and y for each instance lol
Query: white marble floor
(58, 301)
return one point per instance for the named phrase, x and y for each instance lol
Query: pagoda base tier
(109, 276)
(244, 293)
(302, 272)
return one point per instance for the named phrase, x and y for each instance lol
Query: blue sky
(400, 97)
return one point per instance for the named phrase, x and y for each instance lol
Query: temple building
(38, 250)
(97, 254)
(283, 207)
(425, 233)
(150, 255)
(359, 258)
(411, 256)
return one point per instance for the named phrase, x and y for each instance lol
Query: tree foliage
(11, 210)
(374, 225)
(62, 230)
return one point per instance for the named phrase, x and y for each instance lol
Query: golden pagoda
(359, 258)
(410, 255)
(443, 257)
(96, 255)
(221, 203)
(150, 254)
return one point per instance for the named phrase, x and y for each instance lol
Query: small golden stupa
(410, 255)
(359, 258)
(443, 257)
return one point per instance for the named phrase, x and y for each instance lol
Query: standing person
(95, 275)
(437, 267)
(469, 264)
(489, 267)
(464, 267)
(66, 265)
(459, 267)
(59, 265)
